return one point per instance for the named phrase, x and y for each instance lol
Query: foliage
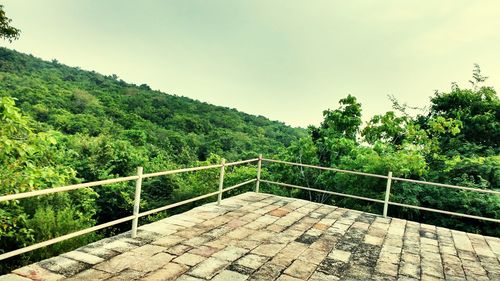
(6, 30)
(455, 142)
(61, 125)
(74, 102)
(34, 160)
(338, 131)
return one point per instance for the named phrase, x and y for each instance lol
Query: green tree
(478, 109)
(35, 160)
(7, 31)
(454, 142)
(337, 134)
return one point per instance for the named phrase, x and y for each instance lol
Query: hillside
(61, 125)
(67, 125)
(75, 101)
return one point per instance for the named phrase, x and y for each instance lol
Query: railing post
(259, 168)
(221, 180)
(387, 193)
(137, 201)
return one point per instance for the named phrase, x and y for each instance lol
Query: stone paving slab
(265, 237)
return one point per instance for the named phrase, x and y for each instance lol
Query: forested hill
(61, 125)
(74, 101)
(69, 125)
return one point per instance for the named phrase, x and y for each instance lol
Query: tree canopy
(7, 31)
(61, 125)
(455, 141)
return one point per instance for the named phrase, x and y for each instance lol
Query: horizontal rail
(111, 223)
(64, 237)
(118, 221)
(326, 168)
(110, 181)
(63, 188)
(385, 177)
(448, 185)
(163, 173)
(324, 191)
(242, 162)
(104, 225)
(444, 212)
(238, 185)
(177, 204)
(170, 172)
(192, 199)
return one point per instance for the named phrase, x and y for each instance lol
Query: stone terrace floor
(264, 237)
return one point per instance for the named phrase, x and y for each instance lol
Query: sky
(287, 60)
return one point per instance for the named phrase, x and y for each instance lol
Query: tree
(455, 142)
(7, 31)
(478, 109)
(344, 121)
(85, 126)
(32, 161)
(387, 128)
(338, 132)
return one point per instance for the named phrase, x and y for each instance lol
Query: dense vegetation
(62, 125)
(454, 141)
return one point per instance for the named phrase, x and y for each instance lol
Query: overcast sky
(286, 60)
